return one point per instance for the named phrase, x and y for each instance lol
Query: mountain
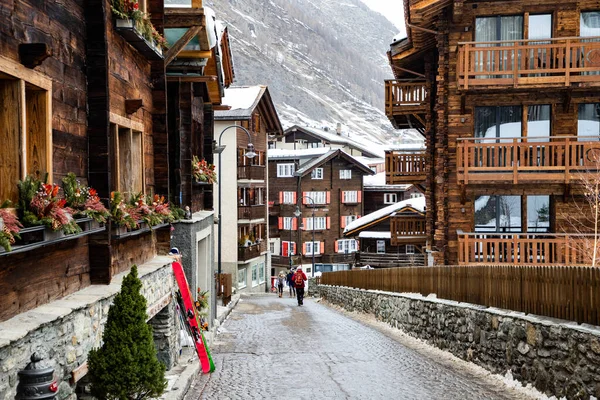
(324, 61)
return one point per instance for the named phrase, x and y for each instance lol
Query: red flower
(136, 6)
(93, 192)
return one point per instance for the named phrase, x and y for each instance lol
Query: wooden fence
(570, 293)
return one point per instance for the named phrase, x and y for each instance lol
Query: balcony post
(568, 62)
(466, 65)
(567, 160)
(513, 156)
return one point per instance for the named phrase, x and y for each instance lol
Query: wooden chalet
(378, 194)
(334, 181)
(506, 94)
(392, 236)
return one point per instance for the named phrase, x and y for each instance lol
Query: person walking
(299, 278)
(290, 282)
(280, 283)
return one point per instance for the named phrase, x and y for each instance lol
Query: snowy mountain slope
(323, 60)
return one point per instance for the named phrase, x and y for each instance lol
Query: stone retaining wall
(64, 331)
(558, 357)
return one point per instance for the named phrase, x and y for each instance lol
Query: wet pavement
(271, 348)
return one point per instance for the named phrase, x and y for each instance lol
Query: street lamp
(219, 150)
(298, 213)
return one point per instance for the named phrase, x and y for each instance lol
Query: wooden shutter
(328, 197)
(285, 249)
(304, 248)
(359, 196)
(294, 224)
(295, 197)
(343, 197)
(343, 221)
(293, 248)
(280, 223)
(321, 247)
(280, 197)
(328, 223)
(304, 224)
(336, 246)
(304, 198)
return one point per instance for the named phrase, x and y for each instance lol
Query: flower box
(148, 48)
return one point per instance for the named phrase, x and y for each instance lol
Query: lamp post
(219, 150)
(297, 213)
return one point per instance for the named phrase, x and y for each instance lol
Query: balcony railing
(252, 212)
(253, 172)
(405, 97)
(390, 260)
(252, 251)
(407, 230)
(409, 168)
(527, 159)
(529, 63)
(525, 248)
(282, 261)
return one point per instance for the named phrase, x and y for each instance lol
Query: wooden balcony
(558, 159)
(252, 172)
(525, 248)
(252, 212)
(390, 260)
(252, 251)
(554, 62)
(407, 230)
(281, 261)
(405, 168)
(406, 103)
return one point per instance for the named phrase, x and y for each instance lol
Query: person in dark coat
(290, 283)
(299, 278)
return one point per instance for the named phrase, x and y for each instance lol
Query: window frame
(411, 247)
(282, 170)
(288, 197)
(316, 173)
(348, 219)
(345, 243)
(312, 244)
(288, 223)
(244, 284)
(261, 273)
(387, 196)
(345, 174)
(320, 223)
(255, 275)
(316, 197)
(348, 199)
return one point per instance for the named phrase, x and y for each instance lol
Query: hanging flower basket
(203, 172)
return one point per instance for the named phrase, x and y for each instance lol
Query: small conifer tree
(126, 366)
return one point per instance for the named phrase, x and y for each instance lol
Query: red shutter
(328, 195)
(294, 224)
(280, 223)
(304, 198)
(343, 222)
(295, 197)
(280, 197)
(336, 246)
(358, 216)
(343, 199)
(322, 248)
(304, 224)
(303, 248)
(284, 249)
(328, 222)
(293, 248)
(359, 196)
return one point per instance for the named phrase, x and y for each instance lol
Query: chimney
(338, 129)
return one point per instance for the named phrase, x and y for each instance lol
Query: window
(390, 198)
(317, 173)
(410, 249)
(317, 197)
(287, 197)
(242, 278)
(261, 273)
(272, 145)
(254, 275)
(128, 164)
(345, 174)
(498, 122)
(347, 219)
(286, 170)
(498, 214)
(288, 248)
(588, 122)
(538, 213)
(351, 196)
(416, 195)
(320, 223)
(272, 247)
(346, 246)
(25, 130)
(381, 247)
(310, 246)
(288, 223)
(538, 122)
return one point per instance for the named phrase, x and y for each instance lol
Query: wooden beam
(19, 71)
(221, 108)
(181, 43)
(132, 105)
(184, 17)
(33, 54)
(193, 79)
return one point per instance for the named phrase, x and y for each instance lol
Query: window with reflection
(498, 214)
(538, 213)
(588, 121)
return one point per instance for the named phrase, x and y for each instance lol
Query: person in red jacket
(299, 278)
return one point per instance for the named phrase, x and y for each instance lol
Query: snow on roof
(210, 17)
(407, 147)
(400, 36)
(375, 235)
(303, 153)
(370, 161)
(378, 180)
(242, 100)
(314, 162)
(371, 148)
(418, 204)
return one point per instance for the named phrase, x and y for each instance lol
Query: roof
(331, 154)
(243, 101)
(375, 235)
(417, 205)
(378, 181)
(372, 150)
(274, 154)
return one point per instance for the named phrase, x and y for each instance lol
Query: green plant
(83, 200)
(121, 213)
(126, 366)
(28, 189)
(202, 171)
(178, 212)
(9, 226)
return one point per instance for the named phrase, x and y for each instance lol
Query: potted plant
(123, 215)
(9, 226)
(203, 172)
(84, 200)
(133, 23)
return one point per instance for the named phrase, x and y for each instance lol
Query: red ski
(190, 313)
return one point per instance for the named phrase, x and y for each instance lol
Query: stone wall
(558, 357)
(64, 331)
(166, 335)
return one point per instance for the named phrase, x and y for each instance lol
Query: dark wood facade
(463, 74)
(332, 211)
(378, 197)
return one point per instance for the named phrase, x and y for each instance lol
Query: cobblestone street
(271, 348)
